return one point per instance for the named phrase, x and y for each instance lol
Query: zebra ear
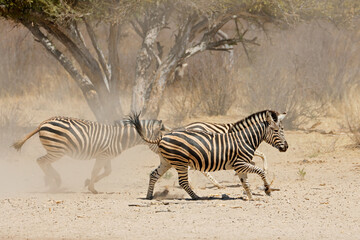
(269, 118)
(281, 116)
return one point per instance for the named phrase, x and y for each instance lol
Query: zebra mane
(144, 123)
(249, 119)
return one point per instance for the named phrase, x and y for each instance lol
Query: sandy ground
(324, 205)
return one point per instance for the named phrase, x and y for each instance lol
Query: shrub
(352, 115)
(206, 88)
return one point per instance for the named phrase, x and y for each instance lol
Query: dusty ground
(324, 205)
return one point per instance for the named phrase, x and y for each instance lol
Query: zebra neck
(251, 134)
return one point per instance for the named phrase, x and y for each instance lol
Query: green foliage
(277, 11)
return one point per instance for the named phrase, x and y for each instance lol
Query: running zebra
(209, 152)
(223, 128)
(82, 139)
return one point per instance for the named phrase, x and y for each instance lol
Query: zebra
(207, 152)
(223, 128)
(85, 140)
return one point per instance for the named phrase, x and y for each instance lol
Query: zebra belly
(59, 146)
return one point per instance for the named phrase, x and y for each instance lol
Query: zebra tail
(135, 121)
(17, 145)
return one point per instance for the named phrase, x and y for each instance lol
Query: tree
(195, 26)
(97, 76)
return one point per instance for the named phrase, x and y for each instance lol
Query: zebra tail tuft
(17, 145)
(135, 121)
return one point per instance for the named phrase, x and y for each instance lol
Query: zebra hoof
(149, 197)
(268, 191)
(93, 190)
(195, 198)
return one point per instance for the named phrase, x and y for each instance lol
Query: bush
(304, 75)
(352, 114)
(206, 88)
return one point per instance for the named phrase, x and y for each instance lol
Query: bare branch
(214, 29)
(99, 53)
(114, 68)
(199, 27)
(81, 54)
(83, 82)
(158, 60)
(229, 49)
(79, 33)
(160, 49)
(137, 30)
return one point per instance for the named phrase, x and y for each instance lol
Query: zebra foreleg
(52, 177)
(263, 158)
(184, 183)
(99, 164)
(244, 167)
(155, 175)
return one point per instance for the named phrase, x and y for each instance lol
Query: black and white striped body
(209, 152)
(82, 139)
(222, 128)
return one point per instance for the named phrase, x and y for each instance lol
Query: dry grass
(352, 114)
(304, 74)
(206, 89)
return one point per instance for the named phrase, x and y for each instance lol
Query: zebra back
(210, 127)
(85, 139)
(212, 152)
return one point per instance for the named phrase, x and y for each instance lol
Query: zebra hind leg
(244, 181)
(244, 167)
(212, 180)
(155, 175)
(184, 183)
(52, 177)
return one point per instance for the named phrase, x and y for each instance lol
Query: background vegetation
(301, 57)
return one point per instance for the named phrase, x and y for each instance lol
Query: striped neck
(252, 129)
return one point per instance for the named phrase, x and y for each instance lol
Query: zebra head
(274, 132)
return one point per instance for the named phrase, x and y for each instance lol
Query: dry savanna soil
(318, 198)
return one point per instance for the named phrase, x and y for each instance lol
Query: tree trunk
(150, 29)
(155, 93)
(110, 109)
(165, 71)
(91, 69)
(114, 65)
(83, 82)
